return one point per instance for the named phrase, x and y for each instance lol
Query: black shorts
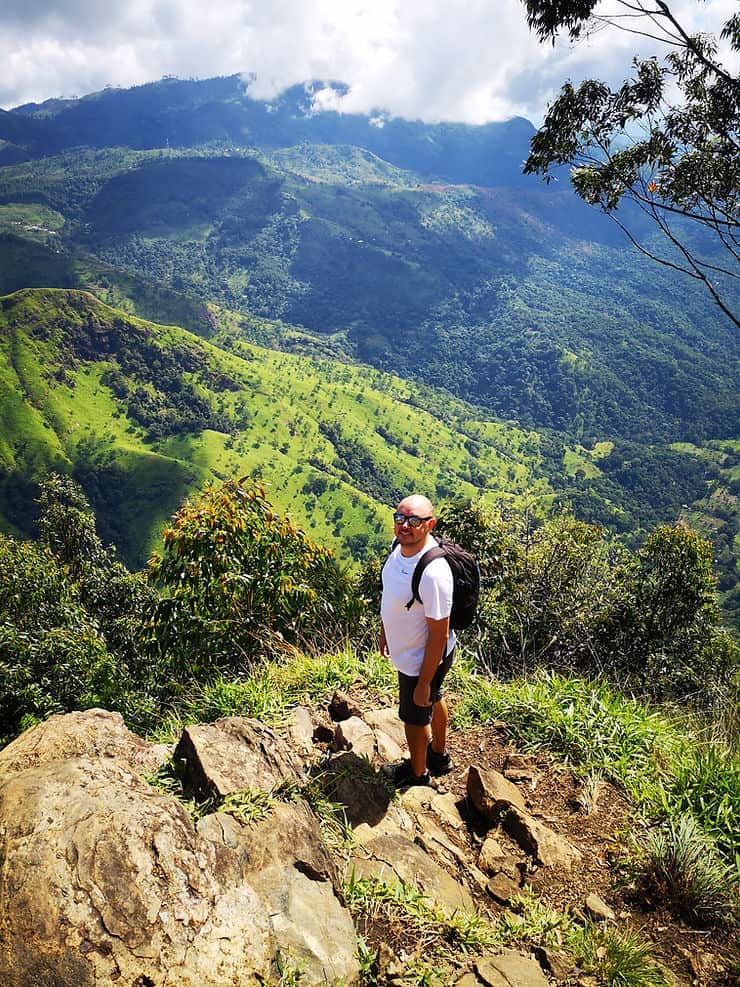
(408, 711)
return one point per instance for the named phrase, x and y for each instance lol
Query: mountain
(178, 114)
(142, 415)
(514, 307)
(414, 249)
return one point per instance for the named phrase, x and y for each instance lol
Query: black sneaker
(404, 777)
(438, 764)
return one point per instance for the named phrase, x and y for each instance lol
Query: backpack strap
(437, 552)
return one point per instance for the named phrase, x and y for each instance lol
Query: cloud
(474, 61)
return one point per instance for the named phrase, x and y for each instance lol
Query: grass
(681, 864)
(613, 957)
(268, 692)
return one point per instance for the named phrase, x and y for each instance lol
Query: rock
(546, 846)
(300, 728)
(323, 732)
(93, 733)
(468, 980)
(342, 707)
(395, 858)
(502, 887)
(354, 734)
(364, 795)
(447, 809)
(491, 793)
(395, 820)
(558, 964)
(107, 881)
(234, 754)
(387, 720)
(598, 908)
(435, 841)
(520, 767)
(491, 854)
(510, 969)
(388, 750)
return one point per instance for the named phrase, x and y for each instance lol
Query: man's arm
(383, 644)
(437, 633)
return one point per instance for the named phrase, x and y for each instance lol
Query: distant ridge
(182, 113)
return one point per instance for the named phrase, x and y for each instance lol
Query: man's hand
(383, 644)
(422, 694)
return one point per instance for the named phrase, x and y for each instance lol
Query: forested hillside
(419, 250)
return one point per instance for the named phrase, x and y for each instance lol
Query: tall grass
(657, 758)
(292, 678)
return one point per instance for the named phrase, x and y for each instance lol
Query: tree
(232, 575)
(667, 140)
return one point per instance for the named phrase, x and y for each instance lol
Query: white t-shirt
(406, 631)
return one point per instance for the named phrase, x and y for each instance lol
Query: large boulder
(100, 868)
(94, 733)
(106, 880)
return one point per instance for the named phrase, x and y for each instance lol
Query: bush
(681, 865)
(233, 574)
(559, 595)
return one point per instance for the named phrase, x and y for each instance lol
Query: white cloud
(474, 61)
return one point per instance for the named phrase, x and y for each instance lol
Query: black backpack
(466, 576)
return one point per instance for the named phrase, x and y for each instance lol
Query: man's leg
(440, 720)
(417, 738)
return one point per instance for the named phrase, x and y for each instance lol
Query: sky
(473, 61)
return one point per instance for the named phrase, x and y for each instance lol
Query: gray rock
(300, 728)
(283, 858)
(520, 767)
(510, 969)
(542, 843)
(107, 881)
(388, 750)
(387, 720)
(491, 793)
(395, 858)
(354, 734)
(395, 820)
(234, 754)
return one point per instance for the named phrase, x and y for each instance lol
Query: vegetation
(230, 573)
(684, 165)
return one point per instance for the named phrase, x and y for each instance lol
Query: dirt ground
(694, 957)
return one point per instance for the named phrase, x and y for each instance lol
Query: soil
(699, 958)
(602, 832)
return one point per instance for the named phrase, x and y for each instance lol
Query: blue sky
(471, 61)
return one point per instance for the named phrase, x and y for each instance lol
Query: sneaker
(438, 764)
(404, 777)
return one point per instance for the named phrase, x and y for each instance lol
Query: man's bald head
(416, 504)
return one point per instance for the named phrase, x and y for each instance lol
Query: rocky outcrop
(108, 880)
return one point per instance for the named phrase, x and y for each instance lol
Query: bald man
(418, 640)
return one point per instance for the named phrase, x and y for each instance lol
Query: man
(418, 640)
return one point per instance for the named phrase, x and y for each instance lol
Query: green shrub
(681, 865)
(707, 785)
(232, 575)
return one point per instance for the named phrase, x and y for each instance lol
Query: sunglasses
(411, 519)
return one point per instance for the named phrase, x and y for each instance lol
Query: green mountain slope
(144, 414)
(510, 298)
